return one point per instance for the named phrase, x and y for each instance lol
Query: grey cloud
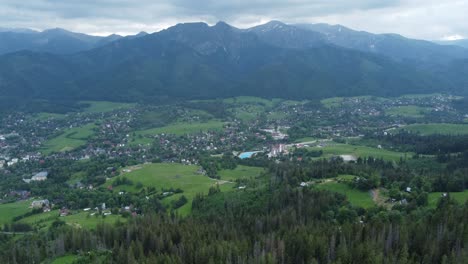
(429, 19)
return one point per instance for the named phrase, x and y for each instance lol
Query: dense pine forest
(276, 222)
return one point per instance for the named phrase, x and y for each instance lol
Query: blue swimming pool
(247, 155)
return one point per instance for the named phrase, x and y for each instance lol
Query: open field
(46, 116)
(442, 128)
(183, 128)
(172, 175)
(355, 197)
(85, 220)
(69, 140)
(42, 220)
(77, 219)
(305, 139)
(332, 102)
(252, 100)
(103, 106)
(240, 172)
(67, 259)
(11, 210)
(333, 149)
(248, 112)
(408, 111)
(434, 197)
(336, 101)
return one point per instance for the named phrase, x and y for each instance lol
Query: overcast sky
(425, 19)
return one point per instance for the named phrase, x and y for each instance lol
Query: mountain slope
(198, 61)
(56, 41)
(391, 45)
(279, 34)
(461, 43)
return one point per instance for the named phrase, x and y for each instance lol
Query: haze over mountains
(195, 60)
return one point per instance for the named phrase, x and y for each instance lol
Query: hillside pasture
(434, 197)
(355, 197)
(69, 140)
(408, 111)
(8, 211)
(240, 172)
(180, 128)
(334, 149)
(438, 128)
(172, 175)
(104, 106)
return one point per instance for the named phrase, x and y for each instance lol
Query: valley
(143, 161)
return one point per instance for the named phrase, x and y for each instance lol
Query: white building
(41, 176)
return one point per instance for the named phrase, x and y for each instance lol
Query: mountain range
(195, 60)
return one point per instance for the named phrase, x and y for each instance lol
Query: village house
(41, 176)
(40, 204)
(64, 212)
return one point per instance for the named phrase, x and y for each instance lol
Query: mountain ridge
(195, 60)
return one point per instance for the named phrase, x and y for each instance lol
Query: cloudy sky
(425, 19)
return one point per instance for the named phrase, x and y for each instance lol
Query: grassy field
(78, 219)
(442, 128)
(305, 139)
(183, 128)
(336, 101)
(252, 100)
(172, 175)
(434, 197)
(103, 106)
(408, 111)
(248, 112)
(68, 259)
(11, 210)
(85, 220)
(69, 140)
(332, 102)
(240, 172)
(333, 149)
(355, 197)
(46, 116)
(42, 220)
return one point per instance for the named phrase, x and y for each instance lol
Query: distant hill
(391, 45)
(56, 41)
(461, 43)
(195, 60)
(279, 34)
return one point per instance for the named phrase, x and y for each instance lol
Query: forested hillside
(195, 60)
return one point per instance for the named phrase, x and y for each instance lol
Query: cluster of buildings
(41, 176)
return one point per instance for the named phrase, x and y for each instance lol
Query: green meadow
(337, 101)
(184, 128)
(103, 106)
(171, 175)
(72, 138)
(434, 197)
(85, 220)
(252, 100)
(305, 139)
(355, 197)
(8, 211)
(46, 116)
(408, 111)
(332, 102)
(333, 149)
(68, 259)
(240, 172)
(438, 128)
(42, 220)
